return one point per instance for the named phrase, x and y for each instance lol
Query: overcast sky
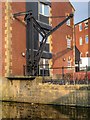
(82, 8)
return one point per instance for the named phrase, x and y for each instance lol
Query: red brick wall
(18, 40)
(59, 42)
(84, 47)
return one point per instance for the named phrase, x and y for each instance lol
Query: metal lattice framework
(32, 61)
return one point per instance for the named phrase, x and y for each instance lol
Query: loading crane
(33, 59)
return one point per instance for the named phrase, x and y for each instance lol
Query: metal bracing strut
(32, 61)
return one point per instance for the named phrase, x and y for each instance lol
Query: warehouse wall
(34, 91)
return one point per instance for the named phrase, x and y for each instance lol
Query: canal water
(42, 112)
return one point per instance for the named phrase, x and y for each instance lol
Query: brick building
(63, 46)
(13, 41)
(83, 41)
(14, 36)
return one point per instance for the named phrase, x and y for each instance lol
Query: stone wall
(34, 91)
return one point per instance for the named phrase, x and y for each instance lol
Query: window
(68, 22)
(40, 39)
(68, 43)
(86, 24)
(80, 41)
(44, 9)
(44, 67)
(80, 27)
(86, 39)
(44, 63)
(69, 63)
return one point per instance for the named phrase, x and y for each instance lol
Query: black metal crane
(32, 59)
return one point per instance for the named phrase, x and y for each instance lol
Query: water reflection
(39, 112)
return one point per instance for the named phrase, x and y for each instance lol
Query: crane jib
(32, 60)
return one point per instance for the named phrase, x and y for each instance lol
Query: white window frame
(86, 24)
(68, 42)
(80, 41)
(43, 65)
(43, 9)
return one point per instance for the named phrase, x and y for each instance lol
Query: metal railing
(63, 75)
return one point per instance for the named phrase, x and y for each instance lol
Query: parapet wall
(34, 91)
